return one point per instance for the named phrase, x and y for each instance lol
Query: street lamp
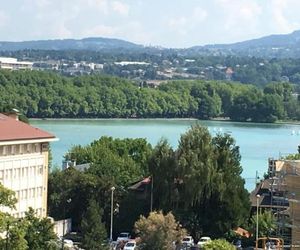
(111, 213)
(257, 202)
(63, 232)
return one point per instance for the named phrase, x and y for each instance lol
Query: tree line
(49, 95)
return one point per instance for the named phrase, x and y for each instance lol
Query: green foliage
(266, 224)
(39, 232)
(29, 233)
(92, 228)
(7, 197)
(113, 162)
(123, 161)
(16, 237)
(219, 244)
(201, 182)
(43, 95)
(158, 231)
(292, 157)
(162, 164)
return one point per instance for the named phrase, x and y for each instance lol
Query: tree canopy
(49, 95)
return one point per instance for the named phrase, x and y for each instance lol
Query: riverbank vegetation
(49, 95)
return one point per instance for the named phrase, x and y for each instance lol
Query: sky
(167, 23)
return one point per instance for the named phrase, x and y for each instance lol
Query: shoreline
(219, 119)
(110, 119)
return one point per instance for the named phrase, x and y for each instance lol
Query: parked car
(130, 245)
(238, 244)
(123, 237)
(203, 240)
(188, 241)
(68, 243)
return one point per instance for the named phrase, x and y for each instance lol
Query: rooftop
(14, 130)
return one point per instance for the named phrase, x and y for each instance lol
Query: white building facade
(14, 64)
(24, 152)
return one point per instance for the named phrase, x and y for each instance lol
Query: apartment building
(13, 64)
(24, 164)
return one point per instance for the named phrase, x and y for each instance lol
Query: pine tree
(93, 230)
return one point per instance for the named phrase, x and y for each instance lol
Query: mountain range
(92, 43)
(287, 45)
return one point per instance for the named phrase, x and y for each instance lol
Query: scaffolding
(285, 190)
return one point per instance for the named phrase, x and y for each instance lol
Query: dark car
(238, 244)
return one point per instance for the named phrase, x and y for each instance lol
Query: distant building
(14, 64)
(24, 154)
(280, 193)
(229, 73)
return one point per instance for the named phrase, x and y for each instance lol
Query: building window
(13, 149)
(5, 150)
(41, 169)
(29, 148)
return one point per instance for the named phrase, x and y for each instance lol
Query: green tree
(93, 230)
(158, 231)
(219, 244)
(266, 224)
(39, 232)
(162, 166)
(201, 182)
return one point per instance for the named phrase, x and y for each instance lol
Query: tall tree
(205, 173)
(93, 230)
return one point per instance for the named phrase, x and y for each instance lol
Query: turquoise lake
(257, 142)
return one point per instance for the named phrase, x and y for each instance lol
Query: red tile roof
(11, 130)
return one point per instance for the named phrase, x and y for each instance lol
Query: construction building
(24, 154)
(280, 193)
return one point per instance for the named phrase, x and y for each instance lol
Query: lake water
(257, 141)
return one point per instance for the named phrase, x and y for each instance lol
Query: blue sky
(168, 23)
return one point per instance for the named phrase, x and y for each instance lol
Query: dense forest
(49, 95)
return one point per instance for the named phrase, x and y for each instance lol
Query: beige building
(285, 175)
(24, 164)
(13, 63)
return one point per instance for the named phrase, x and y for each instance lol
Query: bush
(219, 245)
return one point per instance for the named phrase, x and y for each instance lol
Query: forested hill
(272, 46)
(48, 95)
(94, 44)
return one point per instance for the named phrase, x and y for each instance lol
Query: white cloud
(99, 5)
(100, 30)
(278, 7)
(199, 14)
(4, 19)
(61, 31)
(120, 8)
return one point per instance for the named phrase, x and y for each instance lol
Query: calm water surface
(257, 141)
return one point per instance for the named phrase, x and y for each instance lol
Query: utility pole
(151, 195)
(111, 213)
(257, 200)
(256, 177)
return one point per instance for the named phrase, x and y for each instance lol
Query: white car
(188, 241)
(68, 243)
(203, 240)
(130, 245)
(123, 237)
